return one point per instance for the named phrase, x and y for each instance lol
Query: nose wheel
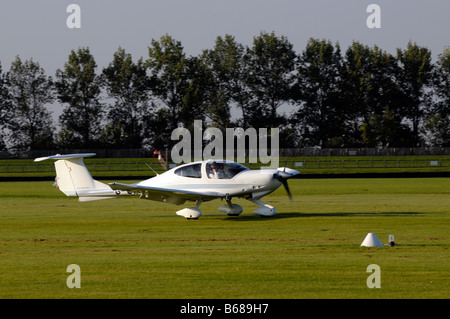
(263, 209)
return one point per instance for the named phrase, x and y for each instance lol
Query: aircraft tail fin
(73, 178)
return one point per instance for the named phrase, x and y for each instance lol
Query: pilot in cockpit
(217, 171)
(212, 170)
(221, 172)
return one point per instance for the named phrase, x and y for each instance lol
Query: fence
(371, 163)
(283, 152)
(93, 167)
(293, 163)
(394, 151)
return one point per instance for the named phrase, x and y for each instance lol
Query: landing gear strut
(231, 209)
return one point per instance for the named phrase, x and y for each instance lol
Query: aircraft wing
(175, 196)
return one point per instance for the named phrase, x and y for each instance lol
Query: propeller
(283, 177)
(286, 187)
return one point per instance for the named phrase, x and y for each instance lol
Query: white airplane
(198, 182)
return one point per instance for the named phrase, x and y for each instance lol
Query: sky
(38, 29)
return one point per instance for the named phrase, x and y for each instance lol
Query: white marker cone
(371, 241)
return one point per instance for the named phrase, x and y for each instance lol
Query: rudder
(73, 178)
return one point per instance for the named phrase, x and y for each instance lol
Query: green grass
(130, 248)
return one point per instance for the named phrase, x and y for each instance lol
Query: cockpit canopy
(193, 171)
(214, 170)
(223, 170)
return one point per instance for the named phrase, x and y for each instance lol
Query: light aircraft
(198, 182)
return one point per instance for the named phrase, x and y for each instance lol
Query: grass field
(129, 248)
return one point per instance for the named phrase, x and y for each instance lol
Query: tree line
(360, 97)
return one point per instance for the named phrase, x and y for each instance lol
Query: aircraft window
(224, 170)
(193, 171)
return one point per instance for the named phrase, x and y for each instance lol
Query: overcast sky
(38, 29)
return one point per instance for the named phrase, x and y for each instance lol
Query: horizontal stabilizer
(68, 156)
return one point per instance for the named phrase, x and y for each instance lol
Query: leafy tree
(270, 64)
(372, 98)
(194, 101)
(79, 87)
(127, 84)
(364, 98)
(226, 66)
(5, 108)
(415, 81)
(167, 65)
(438, 116)
(385, 130)
(179, 86)
(319, 117)
(30, 90)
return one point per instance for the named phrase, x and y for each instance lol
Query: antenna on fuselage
(151, 168)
